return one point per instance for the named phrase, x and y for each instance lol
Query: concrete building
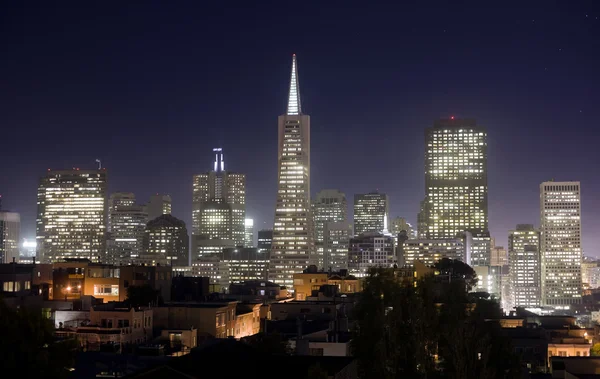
(71, 220)
(524, 261)
(328, 206)
(370, 250)
(293, 245)
(126, 225)
(399, 224)
(336, 243)
(478, 248)
(158, 205)
(561, 255)
(219, 208)
(371, 213)
(166, 242)
(590, 274)
(456, 188)
(213, 319)
(499, 257)
(249, 233)
(265, 239)
(10, 228)
(430, 251)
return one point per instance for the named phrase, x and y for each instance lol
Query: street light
(68, 291)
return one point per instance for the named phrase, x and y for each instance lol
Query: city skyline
(524, 126)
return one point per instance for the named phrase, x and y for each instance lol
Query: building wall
(214, 320)
(306, 282)
(329, 349)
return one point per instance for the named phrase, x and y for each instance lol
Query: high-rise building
(293, 245)
(166, 242)
(249, 233)
(370, 250)
(479, 246)
(71, 219)
(336, 236)
(126, 225)
(265, 240)
(158, 205)
(524, 262)
(429, 252)
(560, 224)
(10, 227)
(455, 179)
(219, 209)
(498, 256)
(399, 224)
(371, 213)
(328, 206)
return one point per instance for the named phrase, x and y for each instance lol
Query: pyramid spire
(294, 107)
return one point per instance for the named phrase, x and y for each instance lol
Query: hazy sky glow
(150, 89)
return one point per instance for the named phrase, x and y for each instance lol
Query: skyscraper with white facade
(72, 215)
(293, 245)
(249, 233)
(524, 262)
(126, 224)
(560, 224)
(219, 209)
(329, 206)
(371, 213)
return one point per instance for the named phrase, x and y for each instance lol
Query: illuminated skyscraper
(265, 241)
(524, 261)
(158, 205)
(165, 242)
(455, 179)
(336, 237)
(249, 232)
(126, 224)
(328, 206)
(10, 227)
(371, 213)
(71, 220)
(292, 235)
(219, 209)
(560, 224)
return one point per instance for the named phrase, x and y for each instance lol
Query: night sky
(151, 88)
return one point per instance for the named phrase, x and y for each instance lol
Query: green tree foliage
(28, 347)
(595, 350)
(138, 296)
(407, 331)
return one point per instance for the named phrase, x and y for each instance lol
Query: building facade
(370, 250)
(166, 242)
(560, 221)
(71, 219)
(126, 225)
(292, 246)
(499, 256)
(336, 237)
(10, 228)
(455, 179)
(219, 208)
(524, 261)
(249, 233)
(265, 239)
(158, 205)
(371, 213)
(429, 252)
(328, 206)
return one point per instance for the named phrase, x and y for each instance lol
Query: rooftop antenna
(99, 163)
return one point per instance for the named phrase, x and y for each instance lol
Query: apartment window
(315, 352)
(8, 287)
(27, 285)
(106, 290)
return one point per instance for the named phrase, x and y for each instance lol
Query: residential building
(456, 185)
(328, 206)
(158, 205)
(370, 250)
(165, 242)
(247, 320)
(292, 246)
(524, 261)
(214, 319)
(126, 225)
(312, 279)
(561, 255)
(265, 239)
(249, 233)
(219, 209)
(430, 251)
(371, 212)
(10, 227)
(336, 237)
(71, 219)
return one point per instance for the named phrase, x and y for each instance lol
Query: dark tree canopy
(271, 343)
(138, 296)
(457, 270)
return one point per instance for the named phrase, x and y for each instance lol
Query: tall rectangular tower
(371, 213)
(71, 220)
(219, 209)
(524, 260)
(560, 220)
(456, 186)
(126, 224)
(10, 227)
(329, 206)
(292, 247)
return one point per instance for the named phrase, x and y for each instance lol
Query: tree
(316, 372)
(272, 343)
(28, 346)
(595, 350)
(138, 296)
(457, 270)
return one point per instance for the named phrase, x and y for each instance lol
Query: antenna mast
(99, 164)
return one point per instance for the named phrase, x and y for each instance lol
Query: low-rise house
(247, 320)
(212, 319)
